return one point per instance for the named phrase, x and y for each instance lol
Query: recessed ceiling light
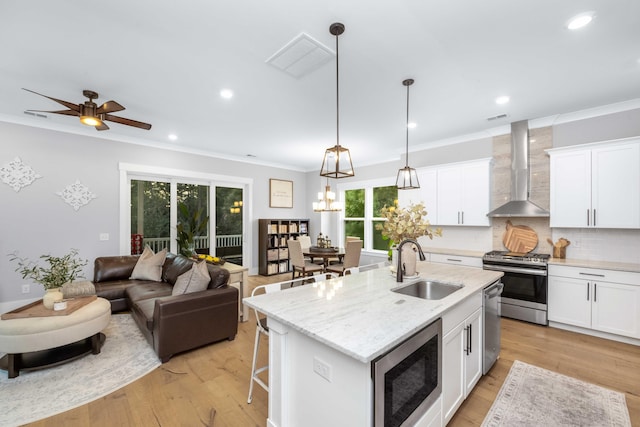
(172, 136)
(226, 93)
(502, 100)
(580, 20)
(411, 125)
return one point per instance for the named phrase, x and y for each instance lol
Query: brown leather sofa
(171, 324)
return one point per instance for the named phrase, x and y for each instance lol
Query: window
(362, 212)
(149, 199)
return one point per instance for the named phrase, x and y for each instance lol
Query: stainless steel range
(525, 284)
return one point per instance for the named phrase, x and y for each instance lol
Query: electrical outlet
(104, 236)
(26, 288)
(322, 368)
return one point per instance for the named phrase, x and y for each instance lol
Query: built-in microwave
(407, 380)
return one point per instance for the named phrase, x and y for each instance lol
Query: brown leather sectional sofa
(171, 324)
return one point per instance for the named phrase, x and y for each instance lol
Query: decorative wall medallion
(17, 175)
(76, 195)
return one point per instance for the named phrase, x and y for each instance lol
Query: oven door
(408, 379)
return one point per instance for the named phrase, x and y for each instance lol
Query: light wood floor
(208, 386)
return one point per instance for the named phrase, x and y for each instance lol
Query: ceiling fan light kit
(337, 159)
(407, 176)
(92, 115)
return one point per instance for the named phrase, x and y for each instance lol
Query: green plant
(58, 271)
(191, 224)
(406, 223)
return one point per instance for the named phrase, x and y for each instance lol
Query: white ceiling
(166, 62)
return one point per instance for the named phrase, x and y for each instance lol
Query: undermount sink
(427, 289)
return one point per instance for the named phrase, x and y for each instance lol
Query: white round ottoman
(65, 337)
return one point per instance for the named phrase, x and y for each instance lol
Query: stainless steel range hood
(519, 206)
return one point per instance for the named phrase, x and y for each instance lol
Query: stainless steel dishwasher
(491, 310)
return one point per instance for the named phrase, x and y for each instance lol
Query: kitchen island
(323, 338)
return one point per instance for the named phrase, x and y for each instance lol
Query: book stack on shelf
(273, 257)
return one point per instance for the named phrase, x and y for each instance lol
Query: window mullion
(173, 216)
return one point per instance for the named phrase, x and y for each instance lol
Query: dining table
(325, 253)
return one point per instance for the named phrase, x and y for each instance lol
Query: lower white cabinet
(461, 362)
(601, 300)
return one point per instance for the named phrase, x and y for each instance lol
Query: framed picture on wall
(280, 193)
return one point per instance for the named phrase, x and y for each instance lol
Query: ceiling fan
(92, 115)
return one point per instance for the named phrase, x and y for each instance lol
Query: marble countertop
(605, 265)
(359, 316)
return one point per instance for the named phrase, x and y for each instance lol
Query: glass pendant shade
(337, 163)
(407, 177)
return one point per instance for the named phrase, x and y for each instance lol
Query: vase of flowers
(55, 272)
(405, 223)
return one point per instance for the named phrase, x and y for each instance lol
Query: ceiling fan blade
(64, 112)
(109, 107)
(67, 104)
(127, 122)
(102, 126)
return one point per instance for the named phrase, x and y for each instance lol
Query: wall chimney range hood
(519, 206)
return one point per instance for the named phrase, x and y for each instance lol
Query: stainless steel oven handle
(515, 270)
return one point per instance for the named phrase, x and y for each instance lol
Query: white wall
(35, 221)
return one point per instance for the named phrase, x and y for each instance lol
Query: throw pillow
(149, 265)
(195, 280)
(78, 289)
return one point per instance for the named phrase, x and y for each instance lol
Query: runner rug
(532, 396)
(34, 395)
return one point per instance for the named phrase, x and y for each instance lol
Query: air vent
(301, 56)
(499, 116)
(31, 113)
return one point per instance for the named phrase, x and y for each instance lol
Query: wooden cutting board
(520, 238)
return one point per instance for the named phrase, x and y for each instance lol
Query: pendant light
(337, 159)
(407, 176)
(327, 201)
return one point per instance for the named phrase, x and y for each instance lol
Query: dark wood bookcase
(273, 256)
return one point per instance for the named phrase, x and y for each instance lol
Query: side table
(239, 279)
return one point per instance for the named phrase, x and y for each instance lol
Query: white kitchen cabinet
(467, 261)
(601, 300)
(426, 194)
(463, 194)
(596, 186)
(461, 357)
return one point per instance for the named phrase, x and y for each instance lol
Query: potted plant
(53, 274)
(405, 223)
(191, 224)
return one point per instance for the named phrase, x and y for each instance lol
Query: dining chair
(298, 263)
(261, 322)
(351, 258)
(305, 243)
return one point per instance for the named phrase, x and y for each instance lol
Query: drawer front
(457, 260)
(460, 312)
(595, 274)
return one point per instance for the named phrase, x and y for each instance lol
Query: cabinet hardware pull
(458, 217)
(588, 224)
(466, 344)
(591, 274)
(470, 337)
(595, 292)
(594, 217)
(588, 286)
(462, 217)
(453, 259)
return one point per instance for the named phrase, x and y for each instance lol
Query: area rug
(33, 395)
(532, 396)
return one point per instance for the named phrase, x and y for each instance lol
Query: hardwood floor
(208, 386)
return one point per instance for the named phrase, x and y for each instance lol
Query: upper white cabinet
(426, 194)
(453, 194)
(464, 194)
(596, 186)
